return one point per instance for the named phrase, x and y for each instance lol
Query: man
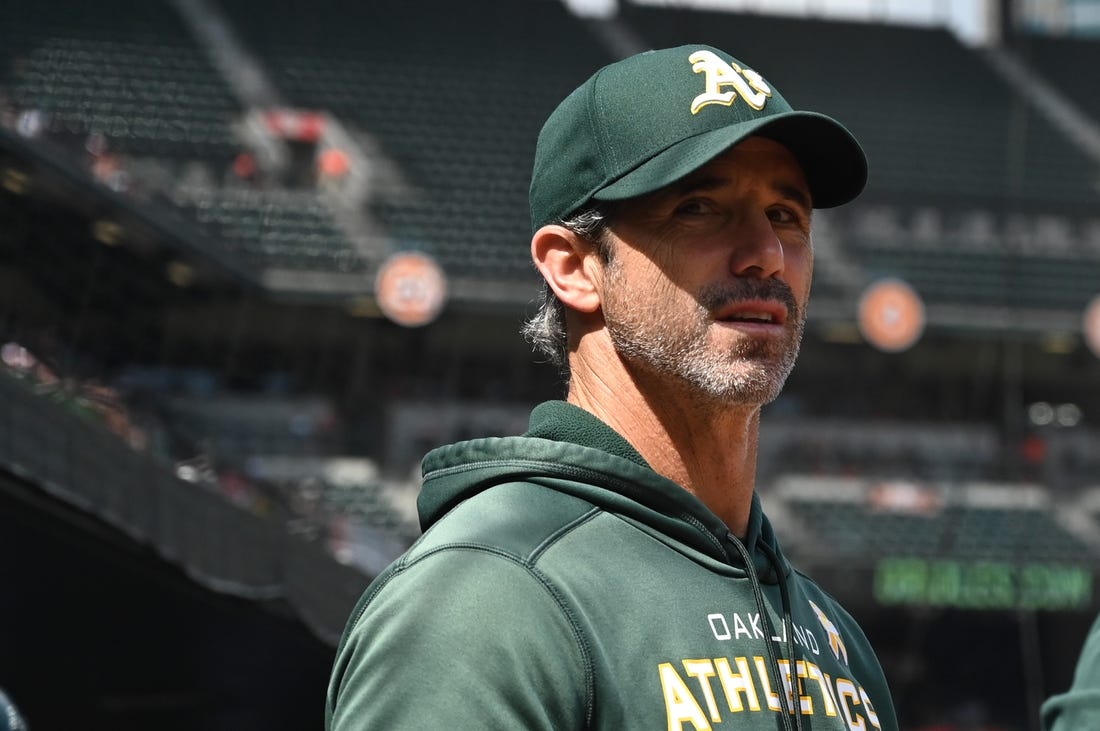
(612, 568)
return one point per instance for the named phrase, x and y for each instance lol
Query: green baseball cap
(642, 123)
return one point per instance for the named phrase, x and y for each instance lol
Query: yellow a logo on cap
(745, 82)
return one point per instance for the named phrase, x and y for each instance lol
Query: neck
(709, 449)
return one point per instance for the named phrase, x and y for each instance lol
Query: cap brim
(831, 158)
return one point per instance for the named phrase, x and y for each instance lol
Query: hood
(571, 451)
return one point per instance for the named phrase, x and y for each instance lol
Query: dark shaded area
(100, 632)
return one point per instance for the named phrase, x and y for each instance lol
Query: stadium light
(1040, 413)
(891, 315)
(1067, 415)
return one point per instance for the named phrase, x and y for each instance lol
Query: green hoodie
(1078, 709)
(561, 583)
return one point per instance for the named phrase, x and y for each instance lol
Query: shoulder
(484, 551)
(468, 595)
(479, 559)
(518, 519)
(1079, 707)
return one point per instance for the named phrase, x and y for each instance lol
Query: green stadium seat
(127, 69)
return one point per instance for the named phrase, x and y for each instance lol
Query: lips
(756, 312)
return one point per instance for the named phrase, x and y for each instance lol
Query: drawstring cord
(788, 630)
(773, 660)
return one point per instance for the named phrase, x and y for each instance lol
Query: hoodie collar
(565, 441)
(561, 421)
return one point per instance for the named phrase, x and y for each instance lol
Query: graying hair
(546, 330)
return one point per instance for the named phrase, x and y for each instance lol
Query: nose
(757, 249)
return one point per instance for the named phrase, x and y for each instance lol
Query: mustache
(723, 294)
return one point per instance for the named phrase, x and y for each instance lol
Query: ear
(565, 261)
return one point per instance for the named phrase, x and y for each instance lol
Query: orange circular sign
(1090, 326)
(891, 315)
(411, 289)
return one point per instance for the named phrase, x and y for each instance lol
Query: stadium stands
(125, 69)
(291, 230)
(129, 93)
(1076, 457)
(457, 105)
(1065, 63)
(955, 273)
(881, 449)
(861, 521)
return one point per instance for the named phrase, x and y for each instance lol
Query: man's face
(707, 285)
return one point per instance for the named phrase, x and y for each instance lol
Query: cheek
(655, 296)
(647, 279)
(630, 286)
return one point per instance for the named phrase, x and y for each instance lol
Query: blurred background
(257, 258)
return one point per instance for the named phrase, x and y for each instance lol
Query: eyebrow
(700, 184)
(705, 183)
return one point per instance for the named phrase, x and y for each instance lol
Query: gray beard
(661, 344)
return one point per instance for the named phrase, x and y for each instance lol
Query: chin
(752, 390)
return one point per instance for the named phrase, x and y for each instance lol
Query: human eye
(787, 216)
(694, 207)
(781, 214)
